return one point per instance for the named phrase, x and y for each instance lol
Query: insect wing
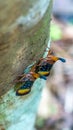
(25, 88)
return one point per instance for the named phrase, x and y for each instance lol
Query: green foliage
(55, 32)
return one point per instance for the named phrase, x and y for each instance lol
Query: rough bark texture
(20, 44)
(24, 31)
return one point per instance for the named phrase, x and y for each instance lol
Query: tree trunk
(24, 32)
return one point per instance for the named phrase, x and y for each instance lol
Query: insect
(44, 65)
(40, 69)
(27, 80)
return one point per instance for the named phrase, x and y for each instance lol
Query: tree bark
(24, 32)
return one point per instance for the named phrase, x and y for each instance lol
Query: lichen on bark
(20, 46)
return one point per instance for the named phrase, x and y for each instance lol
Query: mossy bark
(23, 38)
